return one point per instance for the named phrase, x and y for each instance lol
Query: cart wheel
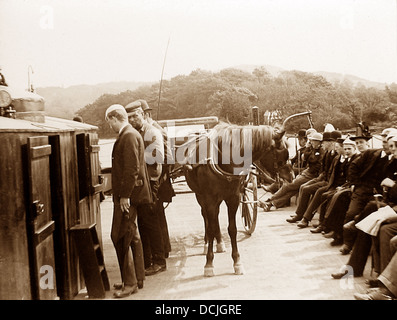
(249, 204)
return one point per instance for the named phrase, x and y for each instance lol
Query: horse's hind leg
(220, 244)
(232, 206)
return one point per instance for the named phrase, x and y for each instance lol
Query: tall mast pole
(161, 79)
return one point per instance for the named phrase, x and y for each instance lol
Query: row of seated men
(344, 181)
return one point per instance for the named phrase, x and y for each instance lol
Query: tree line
(231, 93)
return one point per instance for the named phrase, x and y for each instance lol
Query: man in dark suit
(332, 209)
(365, 173)
(362, 241)
(313, 186)
(130, 185)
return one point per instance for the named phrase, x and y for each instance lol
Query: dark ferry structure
(50, 185)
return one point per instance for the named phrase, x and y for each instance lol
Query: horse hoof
(205, 251)
(238, 269)
(209, 271)
(220, 247)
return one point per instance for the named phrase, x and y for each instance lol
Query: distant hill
(64, 102)
(332, 77)
(338, 77)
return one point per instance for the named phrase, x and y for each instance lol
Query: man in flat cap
(165, 189)
(148, 218)
(309, 197)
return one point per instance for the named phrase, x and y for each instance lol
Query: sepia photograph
(195, 156)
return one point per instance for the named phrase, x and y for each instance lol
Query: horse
(215, 178)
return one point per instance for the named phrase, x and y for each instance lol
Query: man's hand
(125, 204)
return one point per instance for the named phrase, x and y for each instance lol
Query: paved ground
(280, 260)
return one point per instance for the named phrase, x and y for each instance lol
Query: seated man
(366, 174)
(362, 244)
(335, 177)
(337, 187)
(308, 189)
(351, 197)
(283, 196)
(388, 279)
(298, 164)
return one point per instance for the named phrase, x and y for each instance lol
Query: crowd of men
(140, 186)
(345, 181)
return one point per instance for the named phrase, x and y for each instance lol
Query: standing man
(130, 184)
(148, 217)
(165, 191)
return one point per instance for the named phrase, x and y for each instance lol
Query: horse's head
(274, 161)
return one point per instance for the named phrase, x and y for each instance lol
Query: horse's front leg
(232, 206)
(212, 231)
(209, 265)
(205, 232)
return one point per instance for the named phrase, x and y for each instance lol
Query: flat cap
(144, 105)
(348, 141)
(316, 136)
(310, 131)
(386, 131)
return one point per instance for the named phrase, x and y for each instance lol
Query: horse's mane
(257, 137)
(244, 140)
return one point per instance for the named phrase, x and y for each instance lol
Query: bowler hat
(336, 134)
(302, 133)
(327, 136)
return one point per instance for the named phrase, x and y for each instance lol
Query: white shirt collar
(383, 154)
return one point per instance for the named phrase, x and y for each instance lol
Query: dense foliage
(231, 93)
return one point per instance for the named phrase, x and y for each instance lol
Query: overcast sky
(70, 42)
